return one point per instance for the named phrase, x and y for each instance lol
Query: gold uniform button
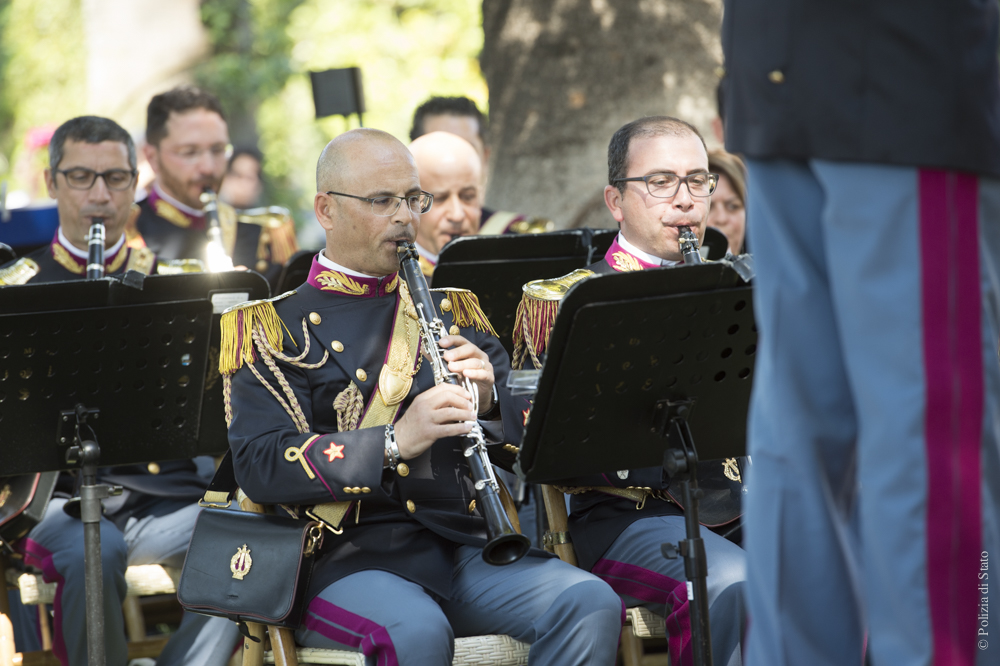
(356, 490)
(337, 345)
(777, 76)
(446, 305)
(454, 330)
(153, 468)
(472, 506)
(315, 318)
(410, 506)
(362, 375)
(348, 490)
(261, 266)
(366, 489)
(403, 469)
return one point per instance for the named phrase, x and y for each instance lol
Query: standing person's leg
(390, 619)
(910, 296)
(163, 539)
(636, 569)
(987, 640)
(802, 588)
(570, 617)
(55, 546)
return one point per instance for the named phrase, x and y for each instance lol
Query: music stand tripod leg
(681, 462)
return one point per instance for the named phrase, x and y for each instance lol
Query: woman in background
(728, 213)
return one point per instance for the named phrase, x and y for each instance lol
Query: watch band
(391, 448)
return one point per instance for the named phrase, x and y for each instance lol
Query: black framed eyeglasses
(666, 185)
(388, 204)
(80, 178)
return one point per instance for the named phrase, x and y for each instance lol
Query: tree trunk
(563, 75)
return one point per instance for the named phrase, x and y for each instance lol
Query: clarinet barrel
(95, 249)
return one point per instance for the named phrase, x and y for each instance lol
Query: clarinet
(215, 252)
(688, 242)
(95, 249)
(504, 544)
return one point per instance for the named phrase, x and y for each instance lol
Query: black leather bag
(248, 567)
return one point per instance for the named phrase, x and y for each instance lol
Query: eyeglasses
(192, 154)
(80, 178)
(388, 204)
(666, 185)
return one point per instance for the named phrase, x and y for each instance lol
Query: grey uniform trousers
(55, 546)
(570, 617)
(636, 569)
(875, 419)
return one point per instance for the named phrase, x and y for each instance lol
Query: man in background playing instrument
(92, 173)
(658, 182)
(358, 433)
(187, 145)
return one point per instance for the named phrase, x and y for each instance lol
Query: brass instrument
(216, 256)
(504, 545)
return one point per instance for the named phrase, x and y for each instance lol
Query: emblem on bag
(241, 563)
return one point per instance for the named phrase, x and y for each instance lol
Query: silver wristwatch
(390, 447)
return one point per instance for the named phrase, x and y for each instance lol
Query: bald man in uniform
(406, 575)
(451, 171)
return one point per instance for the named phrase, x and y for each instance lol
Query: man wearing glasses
(92, 174)
(658, 183)
(319, 418)
(187, 145)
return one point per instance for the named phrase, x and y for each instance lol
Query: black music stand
(83, 358)
(673, 359)
(496, 267)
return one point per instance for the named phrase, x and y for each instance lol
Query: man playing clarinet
(658, 190)
(335, 412)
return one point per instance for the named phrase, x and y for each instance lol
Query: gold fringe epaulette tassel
(466, 312)
(238, 324)
(532, 326)
(536, 314)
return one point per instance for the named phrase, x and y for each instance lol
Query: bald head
(341, 157)
(440, 152)
(451, 170)
(360, 166)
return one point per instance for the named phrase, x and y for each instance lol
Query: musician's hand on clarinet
(468, 360)
(442, 411)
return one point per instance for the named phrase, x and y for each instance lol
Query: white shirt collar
(197, 212)
(426, 254)
(334, 266)
(84, 254)
(645, 256)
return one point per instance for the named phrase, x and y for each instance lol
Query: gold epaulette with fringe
(19, 272)
(238, 324)
(536, 313)
(465, 310)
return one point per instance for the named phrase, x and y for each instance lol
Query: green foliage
(408, 50)
(250, 59)
(42, 73)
